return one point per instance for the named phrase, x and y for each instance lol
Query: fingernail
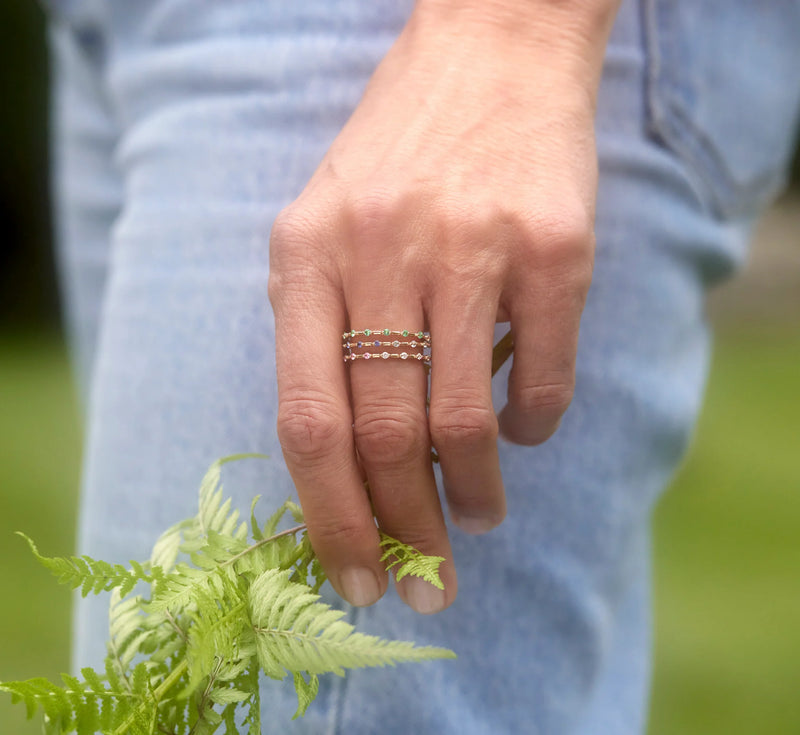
(360, 586)
(525, 431)
(474, 525)
(423, 596)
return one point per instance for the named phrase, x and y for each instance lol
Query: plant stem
(288, 531)
(201, 705)
(502, 351)
(171, 620)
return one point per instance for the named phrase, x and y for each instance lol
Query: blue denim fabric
(182, 128)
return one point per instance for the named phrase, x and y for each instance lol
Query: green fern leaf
(186, 661)
(249, 681)
(306, 692)
(127, 634)
(295, 632)
(214, 514)
(92, 575)
(255, 530)
(166, 549)
(182, 586)
(228, 695)
(409, 561)
(271, 525)
(76, 706)
(219, 629)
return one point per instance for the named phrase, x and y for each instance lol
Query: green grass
(39, 457)
(728, 553)
(727, 540)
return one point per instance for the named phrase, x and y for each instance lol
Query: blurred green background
(727, 550)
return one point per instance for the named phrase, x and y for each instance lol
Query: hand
(460, 193)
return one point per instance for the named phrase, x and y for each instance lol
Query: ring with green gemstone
(421, 335)
(373, 344)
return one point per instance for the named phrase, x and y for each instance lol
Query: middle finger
(389, 399)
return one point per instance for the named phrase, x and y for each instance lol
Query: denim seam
(669, 123)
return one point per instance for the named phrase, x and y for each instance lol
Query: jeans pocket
(723, 94)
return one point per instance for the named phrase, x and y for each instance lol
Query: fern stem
(502, 351)
(120, 668)
(258, 544)
(171, 680)
(202, 705)
(176, 627)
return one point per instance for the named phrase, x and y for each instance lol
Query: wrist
(595, 15)
(569, 30)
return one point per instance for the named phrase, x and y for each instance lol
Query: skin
(459, 194)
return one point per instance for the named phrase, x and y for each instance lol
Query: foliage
(186, 659)
(409, 561)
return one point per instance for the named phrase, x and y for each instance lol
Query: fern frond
(319, 575)
(84, 707)
(271, 525)
(410, 561)
(218, 549)
(93, 575)
(126, 635)
(249, 681)
(306, 692)
(217, 633)
(188, 660)
(166, 549)
(255, 530)
(295, 632)
(214, 514)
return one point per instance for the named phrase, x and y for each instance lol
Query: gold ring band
(388, 356)
(365, 340)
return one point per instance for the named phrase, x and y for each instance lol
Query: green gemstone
(420, 334)
(386, 332)
(352, 332)
(405, 333)
(367, 332)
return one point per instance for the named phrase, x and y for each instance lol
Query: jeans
(182, 127)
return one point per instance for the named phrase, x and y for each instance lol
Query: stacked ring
(364, 339)
(386, 333)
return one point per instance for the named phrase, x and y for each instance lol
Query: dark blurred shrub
(27, 293)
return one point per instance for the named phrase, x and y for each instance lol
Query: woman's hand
(460, 193)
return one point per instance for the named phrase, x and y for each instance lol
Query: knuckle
(342, 529)
(562, 238)
(549, 399)
(388, 438)
(301, 259)
(371, 212)
(559, 248)
(566, 224)
(462, 425)
(292, 227)
(310, 429)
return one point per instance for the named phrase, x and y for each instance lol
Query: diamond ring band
(359, 344)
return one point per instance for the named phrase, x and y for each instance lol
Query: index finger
(315, 432)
